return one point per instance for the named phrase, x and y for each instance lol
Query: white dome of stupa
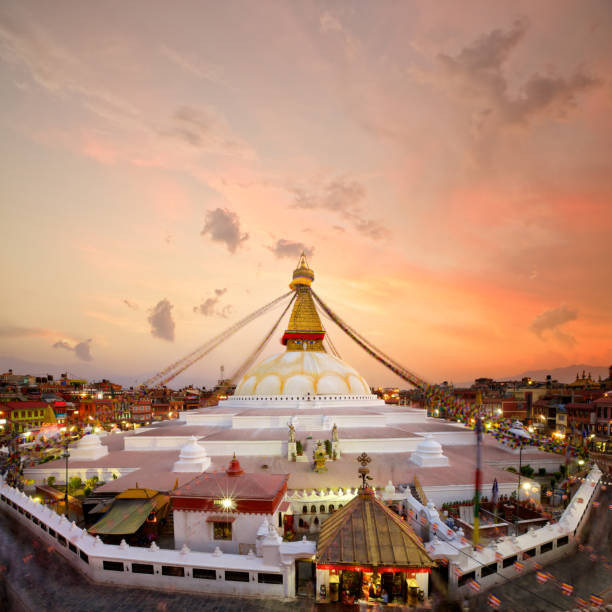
(299, 373)
(192, 458)
(428, 453)
(88, 448)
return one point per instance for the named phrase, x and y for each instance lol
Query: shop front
(351, 584)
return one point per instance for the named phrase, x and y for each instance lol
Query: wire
(174, 369)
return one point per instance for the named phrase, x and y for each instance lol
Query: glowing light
(530, 429)
(499, 411)
(37, 500)
(526, 486)
(227, 503)
(580, 461)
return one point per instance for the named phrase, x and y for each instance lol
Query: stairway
(415, 493)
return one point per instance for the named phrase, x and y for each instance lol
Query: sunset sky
(446, 165)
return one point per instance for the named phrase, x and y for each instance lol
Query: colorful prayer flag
(567, 589)
(493, 601)
(596, 600)
(541, 577)
(518, 566)
(474, 586)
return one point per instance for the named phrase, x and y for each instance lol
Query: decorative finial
(363, 460)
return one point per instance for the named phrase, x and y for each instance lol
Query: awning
(127, 515)
(220, 519)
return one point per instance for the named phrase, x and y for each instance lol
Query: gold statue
(320, 457)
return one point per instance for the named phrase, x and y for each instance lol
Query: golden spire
(305, 332)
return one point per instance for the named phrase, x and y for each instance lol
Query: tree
(51, 481)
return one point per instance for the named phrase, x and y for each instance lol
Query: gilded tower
(305, 331)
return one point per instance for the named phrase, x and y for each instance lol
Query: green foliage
(75, 483)
(511, 469)
(527, 470)
(563, 469)
(299, 448)
(51, 481)
(542, 472)
(328, 447)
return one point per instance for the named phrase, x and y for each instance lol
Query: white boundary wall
(112, 564)
(495, 563)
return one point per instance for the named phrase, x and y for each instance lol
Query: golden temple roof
(366, 532)
(305, 331)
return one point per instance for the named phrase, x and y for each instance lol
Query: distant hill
(565, 375)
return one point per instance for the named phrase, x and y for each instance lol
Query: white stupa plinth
(429, 454)
(88, 448)
(192, 458)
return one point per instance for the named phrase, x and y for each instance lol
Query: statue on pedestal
(291, 433)
(335, 433)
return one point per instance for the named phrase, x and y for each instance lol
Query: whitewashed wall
(88, 554)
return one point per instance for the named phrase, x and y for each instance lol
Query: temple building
(291, 434)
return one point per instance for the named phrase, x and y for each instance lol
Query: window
(72, 547)
(546, 547)
(43, 527)
(35, 520)
(331, 507)
(269, 578)
(313, 509)
(113, 566)
(508, 561)
(61, 539)
(20, 510)
(173, 570)
(28, 515)
(51, 532)
(322, 509)
(527, 554)
(304, 509)
(84, 556)
(207, 574)
(237, 576)
(487, 570)
(142, 568)
(222, 531)
(563, 541)
(465, 578)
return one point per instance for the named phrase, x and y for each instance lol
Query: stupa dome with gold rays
(304, 368)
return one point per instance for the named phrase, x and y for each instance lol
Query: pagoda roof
(367, 533)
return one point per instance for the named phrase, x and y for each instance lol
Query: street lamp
(518, 431)
(65, 456)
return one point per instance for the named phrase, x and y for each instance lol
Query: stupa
(282, 408)
(305, 369)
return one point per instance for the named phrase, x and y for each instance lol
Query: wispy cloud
(15, 331)
(287, 248)
(191, 65)
(551, 320)
(223, 225)
(161, 321)
(478, 69)
(81, 349)
(131, 305)
(343, 197)
(209, 306)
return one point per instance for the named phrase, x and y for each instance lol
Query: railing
(419, 488)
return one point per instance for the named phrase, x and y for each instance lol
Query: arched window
(304, 509)
(301, 523)
(322, 509)
(313, 509)
(331, 507)
(316, 521)
(339, 506)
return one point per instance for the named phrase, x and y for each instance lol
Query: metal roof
(366, 532)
